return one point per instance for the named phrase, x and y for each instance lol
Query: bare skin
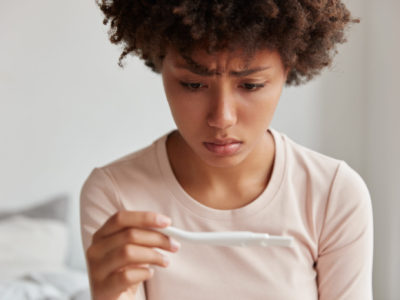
(236, 195)
(121, 253)
(222, 103)
(234, 98)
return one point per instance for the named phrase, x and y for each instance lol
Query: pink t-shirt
(320, 201)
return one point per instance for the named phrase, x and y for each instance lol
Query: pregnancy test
(227, 238)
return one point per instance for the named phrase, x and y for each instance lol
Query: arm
(98, 202)
(344, 264)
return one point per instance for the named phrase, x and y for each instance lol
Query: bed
(34, 245)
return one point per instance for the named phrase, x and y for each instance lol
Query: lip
(223, 147)
(223, 142)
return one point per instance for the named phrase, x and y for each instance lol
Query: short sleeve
(344, 264)
(98, 202)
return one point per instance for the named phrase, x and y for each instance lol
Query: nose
(222, 113)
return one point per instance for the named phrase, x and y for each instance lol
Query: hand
(121, 251)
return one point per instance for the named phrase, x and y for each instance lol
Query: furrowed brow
(201, 70)
(197, 68)
(247, 71)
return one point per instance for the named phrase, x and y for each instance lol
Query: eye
(252, 86)
(192, 86)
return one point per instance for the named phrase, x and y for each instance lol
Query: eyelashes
(192, 86)
(196, 86)
(253, 86)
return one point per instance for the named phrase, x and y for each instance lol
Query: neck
(252, 174)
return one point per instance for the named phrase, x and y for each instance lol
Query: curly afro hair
(304, 32)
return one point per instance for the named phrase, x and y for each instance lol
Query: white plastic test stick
(227, 238)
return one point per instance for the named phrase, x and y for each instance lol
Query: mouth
(223, 147)
(223, 141)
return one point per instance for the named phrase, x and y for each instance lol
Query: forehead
(223, 61)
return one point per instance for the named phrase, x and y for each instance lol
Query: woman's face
(223, 104)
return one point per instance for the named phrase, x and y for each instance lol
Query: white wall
(66, 107)
(328, 113)
(382, 144)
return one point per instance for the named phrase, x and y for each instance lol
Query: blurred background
(66, 107)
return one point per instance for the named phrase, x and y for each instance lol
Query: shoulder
(308, 157)
(307, 164)
(348, 217)
(134, 158)
(143, 160)
(330, 178)
(349, 194)
(342, 177)
(140, 163)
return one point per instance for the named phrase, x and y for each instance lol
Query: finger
(128, 278)
(134, 266)
(126, 256)
(134, 236)
(140, 219)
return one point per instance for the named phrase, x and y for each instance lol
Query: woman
(223, 66)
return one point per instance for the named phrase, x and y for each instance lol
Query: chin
(222, 161)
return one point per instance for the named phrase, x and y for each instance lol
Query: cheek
(258, 112)
(187, 110)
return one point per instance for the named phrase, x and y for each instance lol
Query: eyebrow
(199, 69)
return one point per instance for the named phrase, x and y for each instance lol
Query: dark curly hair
(304, 32)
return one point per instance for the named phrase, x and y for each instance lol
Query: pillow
(56, 208)
(31, 244)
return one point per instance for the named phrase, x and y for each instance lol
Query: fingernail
(166, 260)
(175, 245)
(163, 220)
(151, 271)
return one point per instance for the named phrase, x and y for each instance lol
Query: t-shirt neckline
(199, 209)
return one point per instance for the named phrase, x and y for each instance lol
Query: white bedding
(56, 285)
(32, 261)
